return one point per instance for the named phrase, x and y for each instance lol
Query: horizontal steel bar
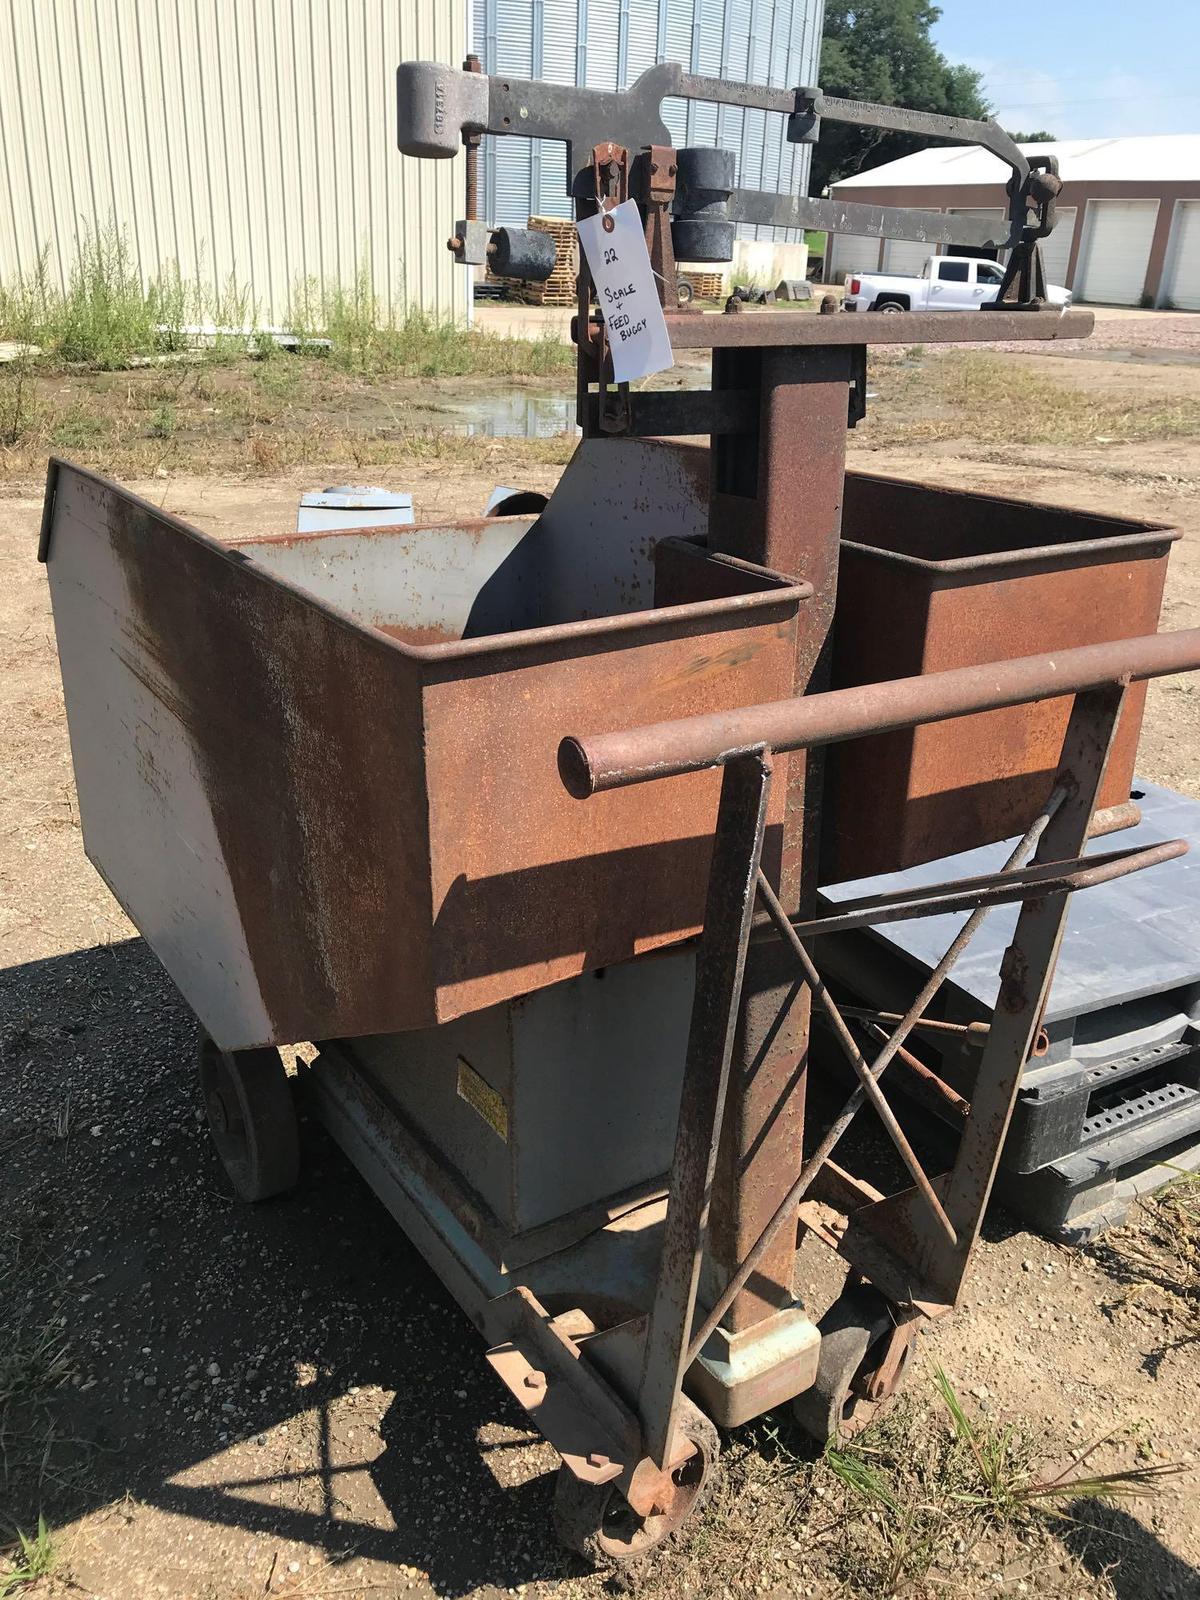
(903, 119)
(766, 209)
(773, 329)
(991, 888)
(638, 755)
(672, 412)
(729, 92)
(924, 1084)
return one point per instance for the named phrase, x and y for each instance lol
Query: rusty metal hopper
(319, 771)
(933, 579)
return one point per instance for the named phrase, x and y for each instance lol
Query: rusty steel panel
(589, 766)
(762, 329)
(215, 717)
(529, 888)
(934, 579)
(323, 829)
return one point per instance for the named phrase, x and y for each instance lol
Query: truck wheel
(251, 1118)
(889, 305)
(598, 1523)
(854, 1339)
(685, 292)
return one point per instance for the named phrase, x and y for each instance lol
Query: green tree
(1041, 137)
(881, 50)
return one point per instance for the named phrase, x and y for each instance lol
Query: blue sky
(1080, 68)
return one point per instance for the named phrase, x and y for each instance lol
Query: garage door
(852, 254)
(1115, 251)
(906, 257)
(1182, 286)
(1056, 247)
(991, 214)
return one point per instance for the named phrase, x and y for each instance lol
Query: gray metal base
(740, 1375)
(609, 1275)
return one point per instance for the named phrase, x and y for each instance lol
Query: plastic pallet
(1076, 1199)
(1124, 1010)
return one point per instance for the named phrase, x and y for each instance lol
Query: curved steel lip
(784, 592)
(779, 589)
(1146, 542)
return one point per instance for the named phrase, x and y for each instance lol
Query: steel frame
(914, 1245)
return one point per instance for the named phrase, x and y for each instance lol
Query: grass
(107, 376)
(237, 418)
(1006, 1485)
(34, 1557)
(963, 395)
(33, 1361)
(921, 1494)
(108, 319)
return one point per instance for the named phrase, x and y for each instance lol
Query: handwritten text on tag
(625, 289)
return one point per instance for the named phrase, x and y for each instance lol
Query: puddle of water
(520, 413)
(515, 413)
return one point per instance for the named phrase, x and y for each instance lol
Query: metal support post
(781, 506)
(720, 965)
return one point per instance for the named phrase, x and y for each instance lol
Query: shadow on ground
(165, 1323)
(1112, 1544)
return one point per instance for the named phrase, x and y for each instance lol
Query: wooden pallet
(705, 285)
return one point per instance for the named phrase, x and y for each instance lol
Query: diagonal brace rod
(855, 1057)
(833, 1134)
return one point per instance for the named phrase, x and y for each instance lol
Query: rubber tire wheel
(251, 1118)
(891, 306)
(685, 292)
(852, 1330)
(597, 1522)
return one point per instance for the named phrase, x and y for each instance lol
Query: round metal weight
(702, 239)
(597, 1522)
(522, 253)
(854, 1339)
(251, 1118)
(704, 181)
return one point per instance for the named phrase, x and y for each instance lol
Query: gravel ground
(1141, 338)
(223, 1402)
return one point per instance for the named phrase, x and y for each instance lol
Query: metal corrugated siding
(603, 27)
(676, 45)
(512, 163)
(609, 43)
(254, 146)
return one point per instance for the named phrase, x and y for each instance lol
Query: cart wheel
(251, 1118)
(685, 291)
(854, 1340)
(599, 1523)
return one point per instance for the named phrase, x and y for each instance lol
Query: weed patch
(34, 1557)
(959, 394)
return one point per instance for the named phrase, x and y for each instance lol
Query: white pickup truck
(947, 283)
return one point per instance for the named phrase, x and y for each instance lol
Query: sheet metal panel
(253, 146)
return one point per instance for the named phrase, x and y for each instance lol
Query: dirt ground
(212, 1402)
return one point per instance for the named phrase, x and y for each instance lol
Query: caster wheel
(597, 1522)
(855, 1337)
(251, 1118)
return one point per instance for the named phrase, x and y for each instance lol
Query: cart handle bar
(589, 766)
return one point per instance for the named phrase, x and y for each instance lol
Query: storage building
(1128, 228)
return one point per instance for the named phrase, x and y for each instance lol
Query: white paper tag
(620, 266)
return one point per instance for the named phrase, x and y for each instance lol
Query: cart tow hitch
(597, 1435)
